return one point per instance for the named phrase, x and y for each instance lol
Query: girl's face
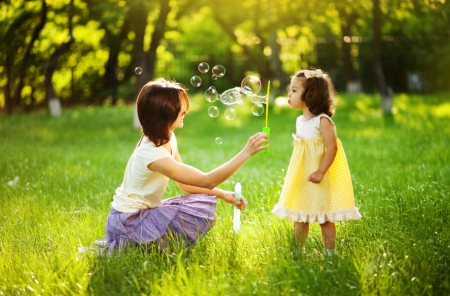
(295, 93)
(178, 123)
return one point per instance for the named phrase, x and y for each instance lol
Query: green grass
(67, 169)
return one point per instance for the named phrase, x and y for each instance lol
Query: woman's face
(178, 123)
(295, 93)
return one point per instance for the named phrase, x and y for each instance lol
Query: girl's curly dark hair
(318, 94)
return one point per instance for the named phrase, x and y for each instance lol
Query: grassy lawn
(58, 175)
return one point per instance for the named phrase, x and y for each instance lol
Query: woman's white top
(142, 187)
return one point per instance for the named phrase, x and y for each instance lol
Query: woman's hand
(254, 144)
(228, 197)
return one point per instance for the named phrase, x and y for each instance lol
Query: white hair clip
(313, 73)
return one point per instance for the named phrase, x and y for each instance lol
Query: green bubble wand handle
(237, 212)
(266, 129)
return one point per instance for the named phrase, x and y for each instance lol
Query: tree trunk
(73, 97)
(157, 36)
(53, 101)
(9, 83)
(150, 57)
(110, 79)
(353, 85)
(256, 57)
(277, 65)
(385, 91)
(139, 16)
(110, 83)
(16, 100)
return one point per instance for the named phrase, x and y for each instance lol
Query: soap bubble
(258, 99)
(211, 94)
(219, 140)
(251, 85)
(232, 96)
(230, 114)
(203, 67)
(138, 70)
(258, 109)
(219, 70)
(213, 111)
(256, 40)
(196, 81)
(214, 77)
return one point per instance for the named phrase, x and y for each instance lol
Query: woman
(138, 215)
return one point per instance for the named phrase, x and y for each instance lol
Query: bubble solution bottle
(237, 212)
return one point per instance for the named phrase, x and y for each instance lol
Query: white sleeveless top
(310, 128)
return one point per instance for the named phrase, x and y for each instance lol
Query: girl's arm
(227, 196)
(329, 138)
(185, 174)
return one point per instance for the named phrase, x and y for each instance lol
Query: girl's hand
(228, 197)
(315, 177)
(254, 144)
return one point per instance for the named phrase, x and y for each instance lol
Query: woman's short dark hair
(158, 104)
(318, 94)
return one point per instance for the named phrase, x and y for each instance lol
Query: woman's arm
(227, 196)
(185, 174)
(329, 138)
(194, 189)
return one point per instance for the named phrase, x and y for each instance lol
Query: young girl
(138, 215)
(318, 187)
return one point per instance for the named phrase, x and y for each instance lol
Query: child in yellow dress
(318, 186)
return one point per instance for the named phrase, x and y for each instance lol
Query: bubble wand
(266, 129)
(237, 212)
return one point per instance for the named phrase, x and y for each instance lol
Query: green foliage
(292, 35)
(58, 175)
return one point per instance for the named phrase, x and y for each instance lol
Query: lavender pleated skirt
(185, 217)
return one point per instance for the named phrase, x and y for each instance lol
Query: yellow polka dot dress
(330, 200)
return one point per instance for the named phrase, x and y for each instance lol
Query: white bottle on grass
(237, 212)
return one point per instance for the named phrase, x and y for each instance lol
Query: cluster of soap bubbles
(250, 87)
(217, 72)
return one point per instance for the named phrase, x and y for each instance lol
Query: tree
(54, 103)
(146, 60)
(170, 38)
(254, 26)
(349, 13)
(418, 34)
(110, 81)
(385, 91)
(17, 50)
(24, 65)
(230, 15)
(116, 27)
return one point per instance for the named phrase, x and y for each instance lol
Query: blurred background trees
(86, 51)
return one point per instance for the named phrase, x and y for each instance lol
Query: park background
(85, 52)
(68, 84)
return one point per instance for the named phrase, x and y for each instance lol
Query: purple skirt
(187, 217)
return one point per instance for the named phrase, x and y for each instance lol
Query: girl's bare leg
(329, 235)
(301, 231)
